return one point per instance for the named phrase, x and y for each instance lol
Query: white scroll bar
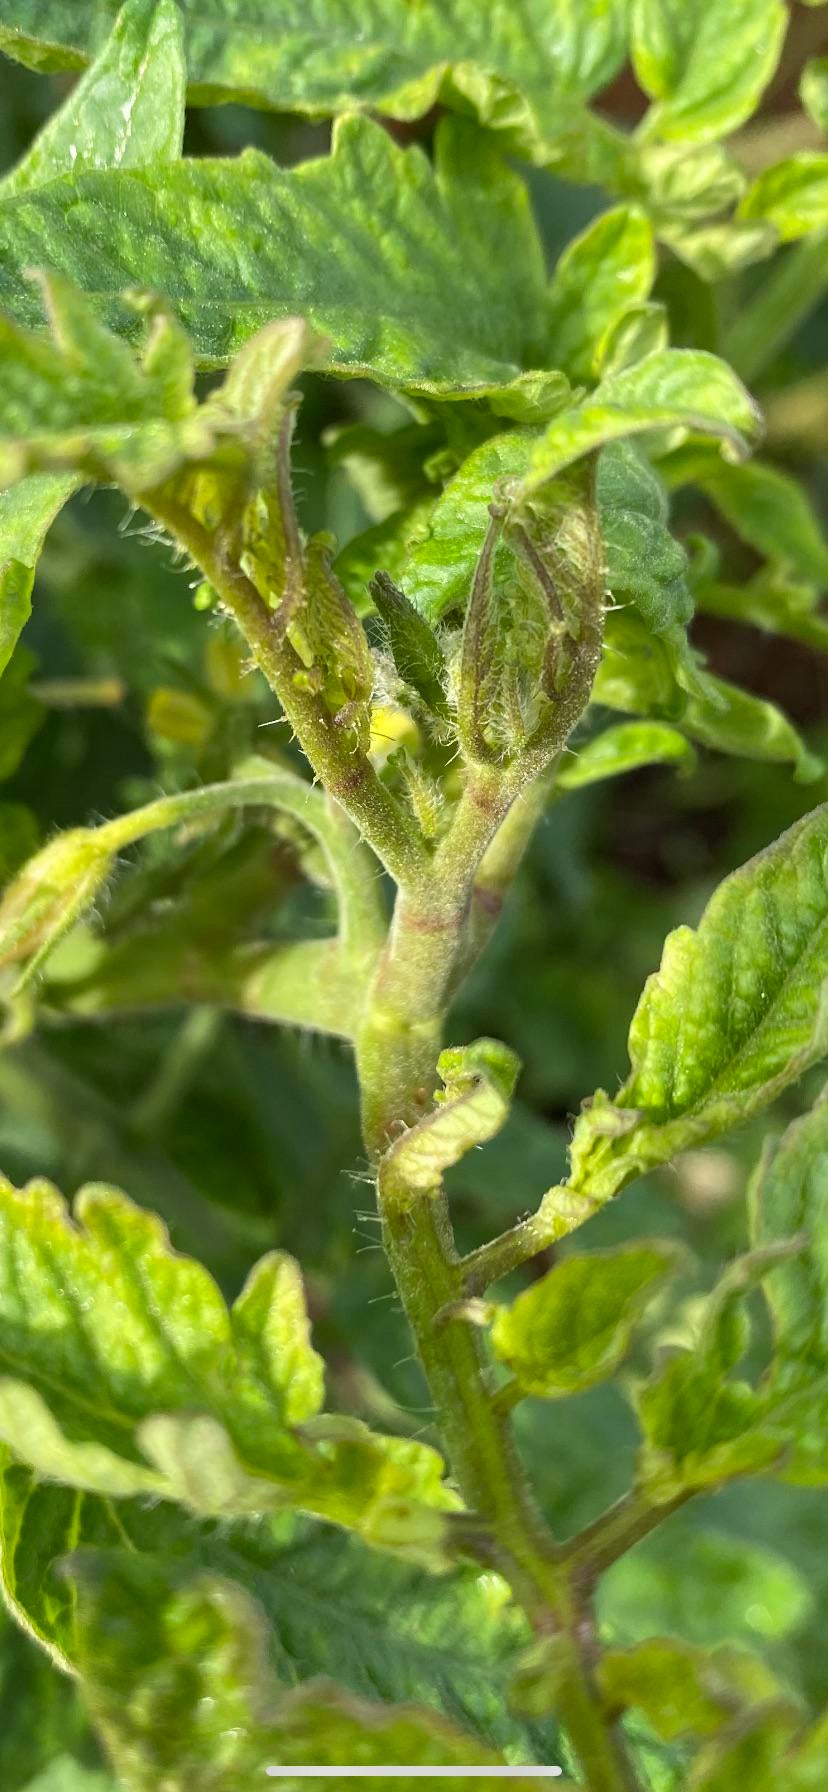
(415, 1773)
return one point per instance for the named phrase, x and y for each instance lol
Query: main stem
(397, 1045)
(397, 1051)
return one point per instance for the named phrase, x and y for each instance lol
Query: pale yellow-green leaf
(572, 1329)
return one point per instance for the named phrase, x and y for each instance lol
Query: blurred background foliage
(245, 1137)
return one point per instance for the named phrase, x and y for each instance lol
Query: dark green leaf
(645, 565)
(415, 649)
(379, 1625)
(176, 1677)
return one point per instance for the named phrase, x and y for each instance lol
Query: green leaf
(793, 196)
(813, 91)
(138, 1379)
(51, 891)
(335, 1607)
(644, 565)
(176, 1677)
(81, 401)
(702, 1424)
(640, 330)
(416, 651)
(705, 62)
(772, 601)
(766, 507)
(470, 324)
(522, 68)
(26, 514)
(305, 982)
(625, 749)
(753, 1753)
(478, 1081)
(573, 1328)
(684, 388)
(610, 267)
(382, 548)
(721, 716)
(20, 712)
(809, 1760)
(790, 1195)
(736, 1012)
(67, 1775)
(42, 1716)
(689, 184)
(439, 569)
(126, 110)
(680, 1689)
(647, 675)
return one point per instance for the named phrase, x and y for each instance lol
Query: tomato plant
(541, 483)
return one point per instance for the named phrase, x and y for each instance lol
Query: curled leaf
(473, 1104)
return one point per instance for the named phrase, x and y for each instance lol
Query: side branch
(346, 772)
(561, 1211)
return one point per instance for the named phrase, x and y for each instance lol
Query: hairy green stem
(478, 1441)
(399, 1042)
(615, 1531)
(397, 1046)
(258, 782)
(498, 867)
(561, 1211)
(396, 1054)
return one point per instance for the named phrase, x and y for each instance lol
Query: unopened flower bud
(52, 891)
